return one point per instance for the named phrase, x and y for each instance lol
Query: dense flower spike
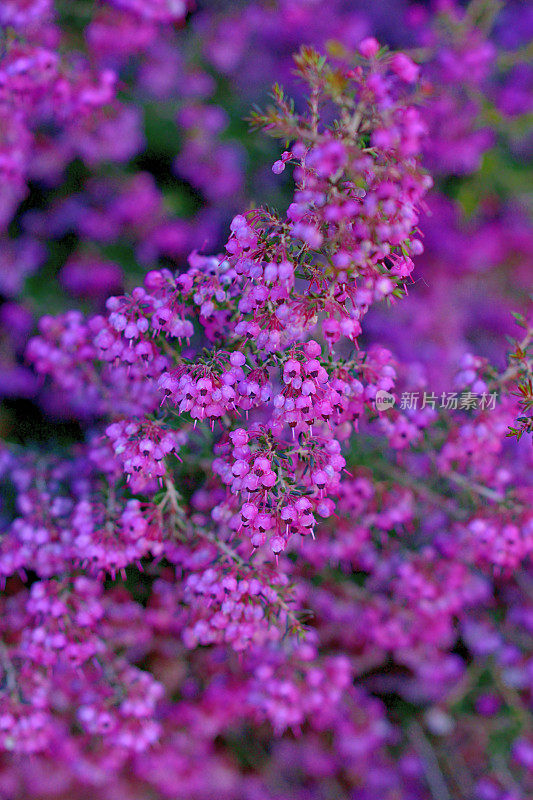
(266, 518)
(235, 610)
(290, 466)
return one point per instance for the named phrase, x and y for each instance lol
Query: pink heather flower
(25, 15)
(369, 47)
(88, 277)
(406, 69)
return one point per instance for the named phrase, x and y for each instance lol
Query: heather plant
(113, 209)
(521, 367)
(280, 558)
